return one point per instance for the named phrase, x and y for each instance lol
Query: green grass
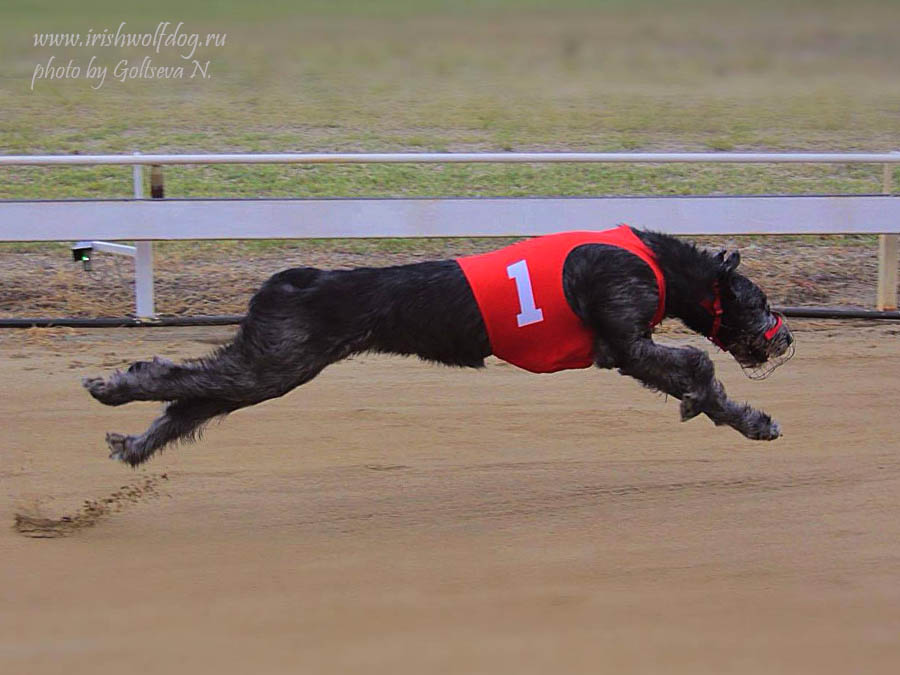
(481, 75)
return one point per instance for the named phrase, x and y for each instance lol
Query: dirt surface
(395, 517)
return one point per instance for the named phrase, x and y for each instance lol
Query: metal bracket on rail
(142, 251)
(83, 251)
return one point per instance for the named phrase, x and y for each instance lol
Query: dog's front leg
(688, 374)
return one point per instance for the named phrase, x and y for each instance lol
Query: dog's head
(743, 323)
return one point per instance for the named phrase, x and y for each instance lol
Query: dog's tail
(281, 289)
(298, 277)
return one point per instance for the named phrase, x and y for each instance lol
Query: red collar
(774, 329)
(714, 307)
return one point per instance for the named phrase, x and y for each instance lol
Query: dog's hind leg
(139, 383)
(220, 376)
(231, 374)
(183, 420)
(688, 374)
(198, 391)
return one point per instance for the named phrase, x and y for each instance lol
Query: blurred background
(479, 75)
(476, 75)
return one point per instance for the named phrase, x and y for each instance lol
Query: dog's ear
(728, 264)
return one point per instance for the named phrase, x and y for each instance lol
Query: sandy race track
(395, 517)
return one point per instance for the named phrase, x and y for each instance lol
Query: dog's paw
(105, 391)
(763, 428)
(99, 388)
(118, 445)
(122, 448)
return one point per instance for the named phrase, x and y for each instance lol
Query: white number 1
(530, 314)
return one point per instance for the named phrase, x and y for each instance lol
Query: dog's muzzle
(779, 344)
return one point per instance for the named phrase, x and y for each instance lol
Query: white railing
(467, 158)
(146, 220)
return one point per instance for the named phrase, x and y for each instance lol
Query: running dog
(568, 300)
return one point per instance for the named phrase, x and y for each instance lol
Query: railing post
(887, 255)
(143, 260)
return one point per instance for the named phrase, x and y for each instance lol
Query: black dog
(304, 319)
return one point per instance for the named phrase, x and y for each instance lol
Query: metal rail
(171, 219)
(464, 158)
(125, 225)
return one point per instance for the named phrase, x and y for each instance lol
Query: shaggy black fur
(303, 319)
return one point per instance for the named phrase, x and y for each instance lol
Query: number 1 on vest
(529, 314)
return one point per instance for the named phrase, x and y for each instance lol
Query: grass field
(480, 75)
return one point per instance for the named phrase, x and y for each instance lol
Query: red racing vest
(519, 291)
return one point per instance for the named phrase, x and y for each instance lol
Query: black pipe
(234, 319)
(122, 322)
(836, 313)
